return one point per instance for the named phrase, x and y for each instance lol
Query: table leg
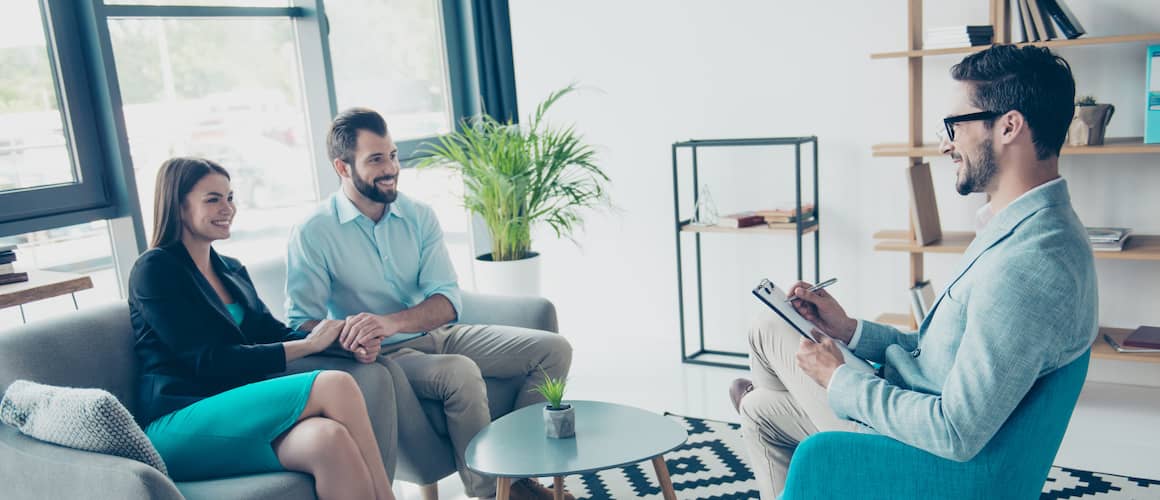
(75, 306)
(503, 488)
(23, 320)
(558, 488)
(663, 477)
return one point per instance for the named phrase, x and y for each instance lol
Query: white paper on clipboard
(774, 297)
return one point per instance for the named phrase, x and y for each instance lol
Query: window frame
(89, 197)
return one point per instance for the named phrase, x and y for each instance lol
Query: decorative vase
(511, 277)
(1089, 124)
(561, 423)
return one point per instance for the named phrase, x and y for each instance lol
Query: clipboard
(774, 298)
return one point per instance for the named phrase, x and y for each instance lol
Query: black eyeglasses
(950, 121)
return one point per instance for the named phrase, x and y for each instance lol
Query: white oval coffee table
(607, 435)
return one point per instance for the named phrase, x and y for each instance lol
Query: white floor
(1115, 428)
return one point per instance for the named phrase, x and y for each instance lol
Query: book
(921, 300)
(807, 222)
(923, 209)
(1145, 337)
(740, 220)
(1042, 21)
(1125, 349)
(7, 248)
(1106, 233)
(1017, 23)
(1025, 20)
(807, 209)
(7, 258)
(1064, 18)
(13, 278)
(7, 269)
(1116, 246)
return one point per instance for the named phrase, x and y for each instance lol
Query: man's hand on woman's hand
(366, 330)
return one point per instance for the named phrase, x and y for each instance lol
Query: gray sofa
(93, 348)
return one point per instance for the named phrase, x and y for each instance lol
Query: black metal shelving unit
(682, 226)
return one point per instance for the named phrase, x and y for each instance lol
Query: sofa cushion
(84, 419)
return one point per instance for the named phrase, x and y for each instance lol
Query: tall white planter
(513, 277)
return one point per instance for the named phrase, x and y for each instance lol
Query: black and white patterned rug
(712, 466)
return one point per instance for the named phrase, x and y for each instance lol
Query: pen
(815, 288)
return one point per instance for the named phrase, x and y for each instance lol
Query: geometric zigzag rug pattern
(712, 466)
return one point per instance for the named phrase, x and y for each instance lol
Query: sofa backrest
(89, 348)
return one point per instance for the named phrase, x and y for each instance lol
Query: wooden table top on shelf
(42, 285)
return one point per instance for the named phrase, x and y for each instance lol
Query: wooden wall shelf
(1138, 247)
(1078, 42)
(1100, 348)
(1112, 146)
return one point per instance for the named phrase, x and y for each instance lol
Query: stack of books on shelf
(1144, 339)
(8, 272)
(774, 218)
(1036, 20)
(958, 36)
(1108, 239)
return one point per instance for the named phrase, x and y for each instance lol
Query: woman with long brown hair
(207, 345)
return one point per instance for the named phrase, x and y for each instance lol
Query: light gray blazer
(1023, 304)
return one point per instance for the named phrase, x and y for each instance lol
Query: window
(390, 57)
(39, 144)
(226, 89)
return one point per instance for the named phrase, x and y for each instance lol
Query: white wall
(665, 71)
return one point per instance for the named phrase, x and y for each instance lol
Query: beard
(371, 191)
(977, 175)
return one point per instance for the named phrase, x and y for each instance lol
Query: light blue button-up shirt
(340, 262)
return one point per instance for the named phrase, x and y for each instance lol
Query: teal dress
(231, 433)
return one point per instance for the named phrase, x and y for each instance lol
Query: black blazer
(188, 347)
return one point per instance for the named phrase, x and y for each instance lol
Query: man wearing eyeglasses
(1022, 305)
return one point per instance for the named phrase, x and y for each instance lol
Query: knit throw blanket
(84, 419)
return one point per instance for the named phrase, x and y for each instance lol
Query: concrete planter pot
(513, 277)
(1089, 124)
(560, 424)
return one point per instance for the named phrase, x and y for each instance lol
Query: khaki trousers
(785, 407)
(449, 364)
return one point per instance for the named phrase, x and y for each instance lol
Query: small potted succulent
(1090, 122)
(559, 418)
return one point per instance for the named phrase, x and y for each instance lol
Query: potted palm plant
(516, 177)
(559, 418)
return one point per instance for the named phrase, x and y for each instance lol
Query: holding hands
(363, 333)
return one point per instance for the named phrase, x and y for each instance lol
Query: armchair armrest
(35, 469)
(527, 312)
(871, 466)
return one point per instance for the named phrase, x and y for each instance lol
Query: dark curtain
(493, 44)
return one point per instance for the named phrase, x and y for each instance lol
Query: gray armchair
(425, 452)
(94, 348)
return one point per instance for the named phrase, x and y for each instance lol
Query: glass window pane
(228, 90)
(389, 56)
(34, 149)
(80, 249)
(206, 3)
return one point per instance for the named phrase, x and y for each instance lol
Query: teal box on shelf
(1152, 98)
